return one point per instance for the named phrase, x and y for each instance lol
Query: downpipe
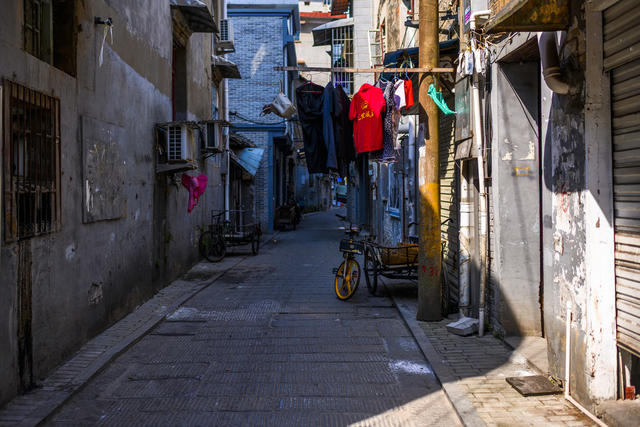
(227, 183)
(567, 370)
(553, 75)
(412, 229)
(464, 254)
(477, 136)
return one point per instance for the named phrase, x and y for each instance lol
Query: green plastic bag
(437, 98)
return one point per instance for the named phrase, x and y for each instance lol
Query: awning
(528, 15)
(248, 159)
(197, 15)
(237, 141)
(395, 58)
(224, 68)
(322, 34)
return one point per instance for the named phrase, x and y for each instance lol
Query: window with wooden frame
(50, 32)
(31, 162)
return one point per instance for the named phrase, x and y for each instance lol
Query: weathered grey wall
(111, 261)
(515, 190)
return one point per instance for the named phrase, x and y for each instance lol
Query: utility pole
(429, 270)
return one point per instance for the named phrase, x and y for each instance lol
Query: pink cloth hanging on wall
(196, 186)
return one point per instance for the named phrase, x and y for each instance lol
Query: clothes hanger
(309, 83)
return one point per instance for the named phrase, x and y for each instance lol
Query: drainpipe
(464, 255)
(225, 86)
(553, 74)
(412, 159)
(477, 136)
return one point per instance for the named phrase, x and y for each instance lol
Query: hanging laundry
(439, 100)
(309, 102)
(196, 186)
(388, 135)
(408, 94)
(399, 104)
(328, 126)
(399, 97)
(479, 60)
(366, 110)
(343, 131)
(465, 63)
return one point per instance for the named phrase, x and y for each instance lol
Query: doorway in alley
(517, 279)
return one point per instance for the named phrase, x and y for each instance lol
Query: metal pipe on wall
(553, 74)
(478, 140)
(464, 234)
(225, 86)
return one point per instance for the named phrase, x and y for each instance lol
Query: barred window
(31, 155)
(342, 56)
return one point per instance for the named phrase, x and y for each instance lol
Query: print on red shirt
(366, 111)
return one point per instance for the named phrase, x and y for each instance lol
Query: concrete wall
(577, 213)
(88, 275)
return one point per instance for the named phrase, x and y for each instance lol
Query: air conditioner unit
(212, 138)
(225, 38)
(180, 143)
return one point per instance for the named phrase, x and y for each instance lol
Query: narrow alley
(268, 343)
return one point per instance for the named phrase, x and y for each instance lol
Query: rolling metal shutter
(449, 201)
(622, 60)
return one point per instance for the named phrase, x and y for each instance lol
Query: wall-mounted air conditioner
(212, 140)
(225, 37)
(180, 143)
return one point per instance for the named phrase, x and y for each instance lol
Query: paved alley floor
(473, 370)
(268, 343)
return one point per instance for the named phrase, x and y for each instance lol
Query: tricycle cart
(238, 230)
(395, 262)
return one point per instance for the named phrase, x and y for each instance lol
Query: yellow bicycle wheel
(347, 279)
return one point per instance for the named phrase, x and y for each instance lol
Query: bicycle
(348, 273)
(211, 243)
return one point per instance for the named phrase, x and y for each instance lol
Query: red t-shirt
(408, 93)
(366, 112)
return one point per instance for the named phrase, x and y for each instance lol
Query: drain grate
(533, 385)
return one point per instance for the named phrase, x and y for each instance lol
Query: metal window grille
(342, 56)
(31, 155)
(175, 143)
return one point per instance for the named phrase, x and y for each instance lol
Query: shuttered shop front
(622, 60)
(449, 202)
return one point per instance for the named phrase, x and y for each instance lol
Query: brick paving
(268, 343)
(476, 367)
(31, 408)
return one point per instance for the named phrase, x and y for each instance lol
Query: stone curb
(455, 394)
(53, 399)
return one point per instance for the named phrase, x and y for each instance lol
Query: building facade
(265, 33)
(558, 111)
(94, 219)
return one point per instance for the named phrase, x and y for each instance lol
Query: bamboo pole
(429, 271)
(365, 70)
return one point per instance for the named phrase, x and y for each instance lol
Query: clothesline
(365, 70)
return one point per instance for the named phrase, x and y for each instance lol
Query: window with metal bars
(342, 56)
(50, 32)
(31, 156)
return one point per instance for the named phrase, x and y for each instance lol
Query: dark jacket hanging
(328, 126)
(343, 131)
(309, 103)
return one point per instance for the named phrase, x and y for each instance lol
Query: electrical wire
(241, 117)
